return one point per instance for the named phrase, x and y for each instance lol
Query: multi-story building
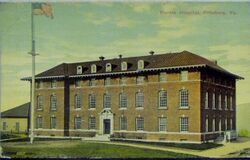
(166, 97)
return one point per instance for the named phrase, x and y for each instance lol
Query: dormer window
(140, 64)
(108, 67)
(79, 69)
(93, 68)
(124, 66)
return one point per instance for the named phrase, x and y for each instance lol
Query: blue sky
(84, 31)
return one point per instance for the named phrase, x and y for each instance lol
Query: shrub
(244, 133)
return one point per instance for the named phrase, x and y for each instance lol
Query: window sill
(139, 130)
(123, 108)
(162, 108)
(139, 108)
(184, 107)
(40, 110)
(53, 110)
(183, 131)
(91, 109)
(78, 109)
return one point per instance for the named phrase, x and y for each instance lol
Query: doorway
(106, 124)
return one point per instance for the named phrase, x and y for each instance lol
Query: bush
(244, 133)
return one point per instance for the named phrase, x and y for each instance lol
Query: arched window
(79, 70)
(78, 100)
(123, 100)
(183, 98)
(140, 64)
(53, 102)
(123, 123)
(107, 100)
(108, 67)
(139, 98)
(124, 66)
(93, 68)
(92, 100)
(39, 102)
(162, 99)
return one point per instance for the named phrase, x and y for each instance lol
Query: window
(225, 124)
(139, 123)
(183, 98)
(107, 81)
(53, 84)
(162, 99)
(123, 123)
(213, 101)
(53, 102)
(79, 70)
(108, 67)
(4, 126)
(140, 79)
(17, 126)
(78, 122)
(123, 100)
(225, 102)
(219, 124)
(231, 103)
(219, 102)
(184, 124)
(78, 100)
(39, 122)
(107, 100)
(231, 123)
(139, 98)
(123, 80)
(93, 68)
(162, 124)
(92, 82)
(140, 64)
(184, 75)
(162, 77)
(207, 124)
(92, 101)
(53, 122)
(91, 122)
(124, 66)
(77, 83)
(39, 102)
(213, 129)
(39, 85)
(206, 100)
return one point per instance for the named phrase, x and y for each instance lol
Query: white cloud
(125, 22)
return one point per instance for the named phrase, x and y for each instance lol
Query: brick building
(158, 97)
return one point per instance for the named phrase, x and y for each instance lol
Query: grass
(199, 147)
(75, 149)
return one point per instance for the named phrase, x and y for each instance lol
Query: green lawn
(73, 148)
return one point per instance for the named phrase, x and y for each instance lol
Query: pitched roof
(21, 111)
(157, 61)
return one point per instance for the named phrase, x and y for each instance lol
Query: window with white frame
(107, 81)
(4, 126)
(107, 100)
(77, 83)
(53, 83)
(92, 101)
(231, 103)
(92, 122)
(225, 102)
(108, 67)
(140, 79)
(184, 124)
(92, 82)
(78, 122)
(213, 101)
(79, 70)
(139, 98)
(162, 99)
(123, 100)
(162, 124)
(78, 100)
(162, 76)
(206, 100)
(225, 124)
(207, 124)
(53, 102)
(39, 102)
(39, 122)
(140, 64)
(124, 66)
(213, 128)
(184, 98)
(123, 80)
(123, 123)
(93, 68)
(139, 123)
(219, 102)
(184, 75)
(53, 122)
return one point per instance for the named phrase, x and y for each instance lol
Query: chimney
(214, 61)
(101, 58)
(151, 53)
(120, 56)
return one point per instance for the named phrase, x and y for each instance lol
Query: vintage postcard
(124, 79)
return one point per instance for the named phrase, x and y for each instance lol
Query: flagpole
(33, 54)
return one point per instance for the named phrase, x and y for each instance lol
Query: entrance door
(106, 124)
